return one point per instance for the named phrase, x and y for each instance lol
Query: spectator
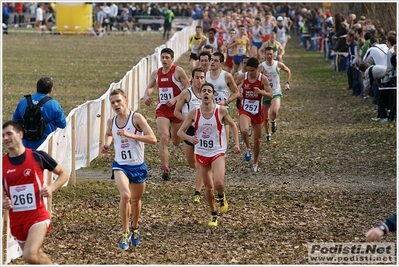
(366, 45)
(392, 114)
(40, 19)
(99, 20)
(328, 34)
(49, 18)
(52, 111)
(379, 35)
(185, 12)
(351, 20)
(387, 96)
(374, 75)
(32, 13)
(19, 17)
(339, 44)
(167, 26)
(5, 18)
(377, 53)
(352, 72)
(113, 13)
(375, 234)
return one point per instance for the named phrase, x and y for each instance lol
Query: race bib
(218, 97)
(206, 139)
(23, 197)
(251, 106)
(165, 93)
(194, 49)
(230, 52)
(240, 50)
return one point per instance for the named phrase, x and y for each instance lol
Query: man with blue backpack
(39, 114)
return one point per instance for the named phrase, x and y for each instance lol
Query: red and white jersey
(168, 86)
(251, 102)
(22, 184)
(210, 133)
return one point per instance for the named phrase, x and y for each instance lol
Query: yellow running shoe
(214, 221)
(223, 204)
(197, 199)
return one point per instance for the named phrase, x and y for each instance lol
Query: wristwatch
(288, 83)
(382, 227)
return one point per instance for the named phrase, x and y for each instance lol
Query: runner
(226, 90)
(210, 146)
(130, 132)
(271, 69)
(190, 99)
(170, 80)
(193, 43)
(241, 47)
(254, 86)
(24, 192)
(210, 40)
(278, 50)
(257, 34)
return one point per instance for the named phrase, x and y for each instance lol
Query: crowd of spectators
(347, 40)
(355, 44)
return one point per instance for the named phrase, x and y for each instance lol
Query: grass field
(328, 175)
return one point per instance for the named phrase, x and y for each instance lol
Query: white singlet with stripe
(222, 91)
(127, 151)
(214, 44)
(267, 27)
(255, 33)
(210, 133)
(194, 102)
(280, 35)
(273, 76)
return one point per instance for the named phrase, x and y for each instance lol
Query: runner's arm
(188, 121)
(233, 127)
(108, 137)
(233, 88)
(179, 104)
(150, 88)
(148, 136)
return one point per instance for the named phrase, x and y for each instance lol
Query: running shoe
(268, 137)
(250, 131)
(375, 119)
(241, 141)
(197, 199)
(166, 174)
(135, 238)
(214, 221)
(223, 204)
(255, 167)
(124, 244)
(274, 126)
(247, 155)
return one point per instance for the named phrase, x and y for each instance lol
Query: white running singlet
(210, 133)
(127, 151)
